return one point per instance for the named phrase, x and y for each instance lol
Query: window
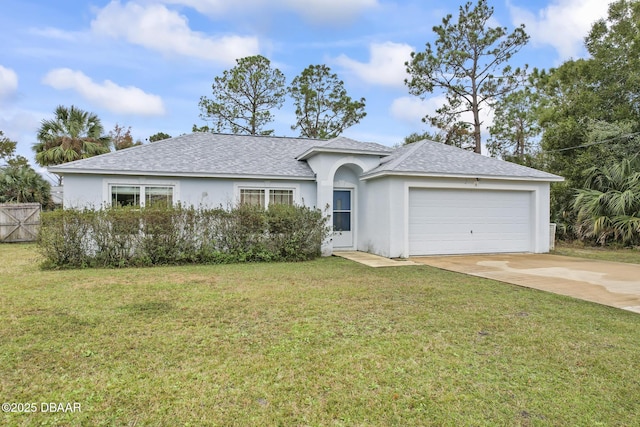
(281, 197)
(259, 196)
(141, 195)
(342, 210)
(125, 195)
(158, 196)
(252, 197)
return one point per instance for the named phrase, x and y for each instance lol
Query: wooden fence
(19, 222)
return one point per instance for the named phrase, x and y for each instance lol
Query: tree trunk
(477, 148)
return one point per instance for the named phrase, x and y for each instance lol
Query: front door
(342, 218)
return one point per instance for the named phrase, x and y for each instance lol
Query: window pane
(281, 197)
(341, 221)
(158, 196)
(341, 200)
(252, 197)
(125, 195)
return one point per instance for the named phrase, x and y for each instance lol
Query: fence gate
(19, 222)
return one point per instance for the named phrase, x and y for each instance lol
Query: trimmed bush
(122, 237)
(63, 238)
(295, 233)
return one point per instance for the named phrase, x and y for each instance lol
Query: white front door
(342, 218)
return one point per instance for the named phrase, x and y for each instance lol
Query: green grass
(603, 254)
(322, 343)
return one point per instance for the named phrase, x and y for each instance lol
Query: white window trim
(107, 184)
(267, 187)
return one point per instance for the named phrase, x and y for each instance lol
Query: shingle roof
(434, 158)
(204, 154)
(218, 155)
(350, 144)
(345, 145)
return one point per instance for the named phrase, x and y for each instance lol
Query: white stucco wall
(330, 167)
(381, 204)
(386, 231)
(375, 219)
(93, 191)
(207, 192)
(80, 191)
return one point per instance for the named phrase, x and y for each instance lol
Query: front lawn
(594, 252)
(321, 343)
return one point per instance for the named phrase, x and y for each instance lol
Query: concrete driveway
(609, 283)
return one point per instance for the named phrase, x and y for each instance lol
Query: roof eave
(380, 174)
(318, 150)
(64, 171)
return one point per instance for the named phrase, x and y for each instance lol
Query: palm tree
(22, 184)
(609, 206)
(72, 135)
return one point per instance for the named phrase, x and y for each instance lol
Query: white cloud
(17, 123)
(317, 11)
(156, 27)
(385, 66)
(411, 109)
(563, 24)
(21, 126)
(55, 33)
(8, 82)
(118, 99)
(216, 7)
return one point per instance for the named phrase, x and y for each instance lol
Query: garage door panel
(468, 221)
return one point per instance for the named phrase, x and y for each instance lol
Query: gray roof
(204, 154)
(345, 145)
(350, 144)
(429, 158)
(221, 155)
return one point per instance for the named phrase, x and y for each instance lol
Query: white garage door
(468, 221)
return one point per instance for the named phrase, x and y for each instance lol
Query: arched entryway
(345, 206)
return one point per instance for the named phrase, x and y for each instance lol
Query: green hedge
(123, 237)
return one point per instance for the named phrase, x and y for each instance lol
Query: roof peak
(239, 135)
(407, 150)
(431, 158)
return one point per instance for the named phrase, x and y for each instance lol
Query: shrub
(296, 232)
(242, 232)
(159, 239)
(115, 233)
(120, 237)
(63, 238)
(608, 208)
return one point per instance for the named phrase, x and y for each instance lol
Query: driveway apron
(609, 283)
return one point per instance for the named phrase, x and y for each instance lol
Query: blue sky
(145, 63)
